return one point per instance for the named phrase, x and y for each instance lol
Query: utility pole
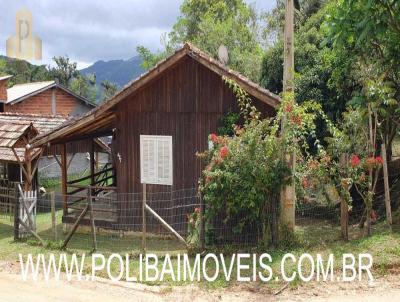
(288, 194)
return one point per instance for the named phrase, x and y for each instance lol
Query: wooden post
(144, 219)
(344, 207)
(386, 184)
(288, 193)
(97, 162)
(288, 56)
(93, 227)
(92, 163)
(16, 212)
(166, 225)
(344, 219)
(64, 178)
(28, 169)
(202, 224)
(92, 166)
(53, 213)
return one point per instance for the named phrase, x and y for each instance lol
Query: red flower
(296, 120)
(379, 160)
(374, 216)
(223, 152)
(305, 182)
(197, 210)
(288, 107)
(214, 138)
(355, 160)
(371, 161)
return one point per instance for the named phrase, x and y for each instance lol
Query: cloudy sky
(90, 30)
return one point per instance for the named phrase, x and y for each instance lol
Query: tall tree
(210, 23)
(22, 71)
(369, 31)
(64, 70)
(275, 18)
(109, 89)
(85, 86)
(322, 74)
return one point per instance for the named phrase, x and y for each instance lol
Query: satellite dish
(223, 54)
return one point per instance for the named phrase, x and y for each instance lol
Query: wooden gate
(27, 212)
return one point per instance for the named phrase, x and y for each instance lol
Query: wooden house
(159, 121)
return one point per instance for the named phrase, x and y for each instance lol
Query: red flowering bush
(223, 152)
(305, 182)
(288, 108)
(367, 163)
(242, 173)
(355, 160)
(245, 172)
(214, 138)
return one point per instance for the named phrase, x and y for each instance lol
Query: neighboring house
(44, 105)
(160, 120)
(48, 98)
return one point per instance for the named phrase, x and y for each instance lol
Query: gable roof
(20, 92)
(12, 134)
(6, 77)
(43, 123)
(103, 117)
(15, 126)
(188, 49)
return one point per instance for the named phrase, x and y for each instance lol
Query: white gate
(27, 212)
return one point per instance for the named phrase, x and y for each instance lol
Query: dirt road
(13, 289)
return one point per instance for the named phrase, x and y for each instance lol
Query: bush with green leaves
(245, 172)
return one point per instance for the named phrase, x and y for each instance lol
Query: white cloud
(89, 30)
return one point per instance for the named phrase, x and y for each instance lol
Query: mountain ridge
(118, 71)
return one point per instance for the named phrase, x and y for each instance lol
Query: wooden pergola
(18, 130)
(15, 137)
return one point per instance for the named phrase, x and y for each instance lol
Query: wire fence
(118, 220)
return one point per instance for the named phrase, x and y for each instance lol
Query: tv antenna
(223, 55)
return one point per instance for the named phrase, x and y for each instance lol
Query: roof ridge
(195, 53)
(32, 115)
(31, 83)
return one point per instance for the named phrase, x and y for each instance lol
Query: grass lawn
(312, 237)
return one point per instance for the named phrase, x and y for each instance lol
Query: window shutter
(164, 161)
(156, 159)
(148, 149)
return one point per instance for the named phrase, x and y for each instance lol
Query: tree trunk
(368, 221)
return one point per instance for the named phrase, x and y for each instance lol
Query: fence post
(144, 219)
(53, 213)
(202, 223)
(344, 207)
(90, 204)
(16, 212)
(386, 184)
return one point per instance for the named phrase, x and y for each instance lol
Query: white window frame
(157, 180)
